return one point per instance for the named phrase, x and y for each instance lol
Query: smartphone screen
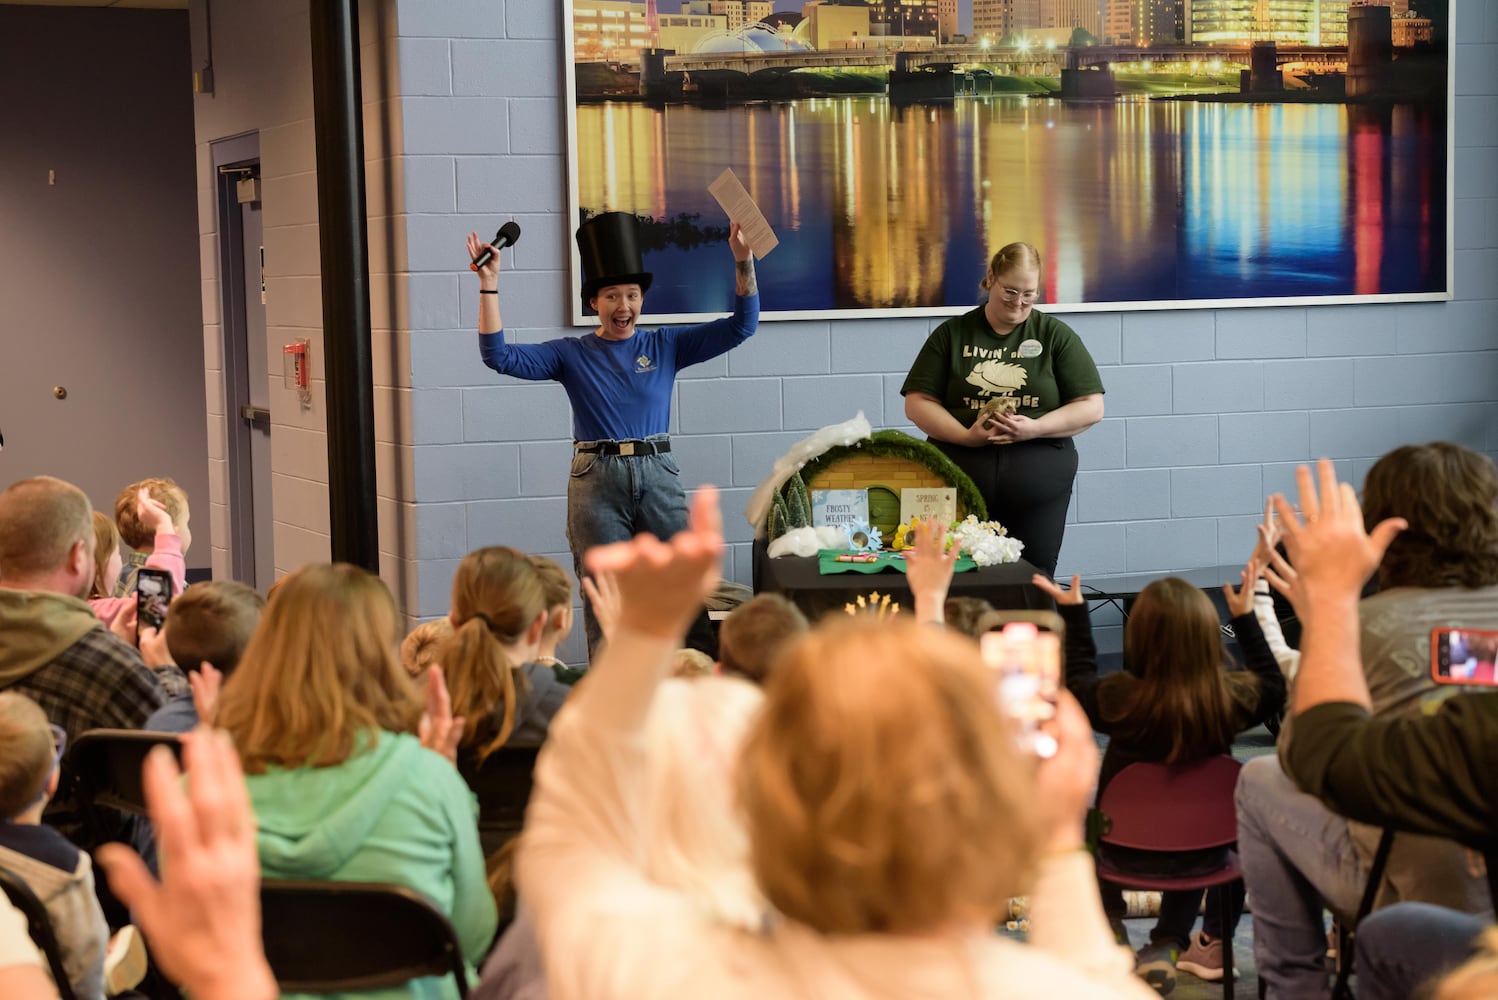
(153, 591)
(1463, 656)
(1027, 672)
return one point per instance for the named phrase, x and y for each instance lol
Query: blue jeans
(1407, 944)
(612, 498)
(1298, 859)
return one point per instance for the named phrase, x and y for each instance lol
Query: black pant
(1027, 486)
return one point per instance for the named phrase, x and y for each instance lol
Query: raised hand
(603, 597)
(928, 568)
(438, 728)
(1269, 536)
(1240, 600)
(205, 682)
(202, 919)
(662, 585)
(152, 514)
(489, 272)
(737, 243)
(1333, 554)
(1072, 596)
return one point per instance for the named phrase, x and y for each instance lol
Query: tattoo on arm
(744, 281)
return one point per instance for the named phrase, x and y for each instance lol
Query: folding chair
(334, 937)
(503, 787)
(23, 899)
(1169, 809)
(106, 764)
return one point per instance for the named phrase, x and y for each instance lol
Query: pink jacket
(166, 554)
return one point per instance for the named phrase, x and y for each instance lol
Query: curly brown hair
(1449, 496)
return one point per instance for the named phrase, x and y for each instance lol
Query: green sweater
(396, 813)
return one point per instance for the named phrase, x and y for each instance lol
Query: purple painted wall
(99, 271)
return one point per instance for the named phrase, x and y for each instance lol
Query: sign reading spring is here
(928, 502)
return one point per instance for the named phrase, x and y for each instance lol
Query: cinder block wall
(1207, 410)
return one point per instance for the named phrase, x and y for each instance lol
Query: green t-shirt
(1042, 363)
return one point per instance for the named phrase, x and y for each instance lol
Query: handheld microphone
(507, 235)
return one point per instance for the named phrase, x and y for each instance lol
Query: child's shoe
(1156, 965)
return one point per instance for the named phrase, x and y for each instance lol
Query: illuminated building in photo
(738, 12)
(1411, 30)
(836, 26)
(910, 18)
(1118, 22)
(1084, 14)
(681, 32)
(994, 19)
(946, 15)
(608, 30)
(1288, 22)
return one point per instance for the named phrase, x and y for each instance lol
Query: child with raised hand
(166, 552)
(1176, 701)
(141, 533)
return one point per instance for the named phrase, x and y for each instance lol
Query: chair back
(106, 763)
(40, 925)
(335, 937)
(503, 787)
(1172, 807)
(105, 766)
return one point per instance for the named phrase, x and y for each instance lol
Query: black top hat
(609, 245)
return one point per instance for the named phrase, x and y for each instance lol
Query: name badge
(1028, 349)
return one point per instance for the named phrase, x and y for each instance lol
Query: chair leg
(1225, 911)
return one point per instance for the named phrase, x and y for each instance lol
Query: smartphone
(1463, 656)
(153, 592)
(1026, 662)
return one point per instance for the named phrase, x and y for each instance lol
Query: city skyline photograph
(891, 167)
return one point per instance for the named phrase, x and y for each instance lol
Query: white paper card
(839, 508)
(928, 502)
(741, 208)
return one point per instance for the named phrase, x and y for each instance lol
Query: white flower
(987, 543)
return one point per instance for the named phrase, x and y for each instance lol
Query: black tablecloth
(1006, 587)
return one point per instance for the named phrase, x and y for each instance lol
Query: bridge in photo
(1012, 60)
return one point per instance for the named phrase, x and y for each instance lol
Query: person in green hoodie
(325, 719)
(55, 650)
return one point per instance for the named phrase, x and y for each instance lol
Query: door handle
(257, 417)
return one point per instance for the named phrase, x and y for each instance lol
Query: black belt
(624, 448)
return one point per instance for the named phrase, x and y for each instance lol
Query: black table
(1006, 587)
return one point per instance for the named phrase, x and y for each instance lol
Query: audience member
(140, 534)
(420, 647)
(548, 680)
(1300, 855)
(962, 614)
(56, 651)
(755, 632)
(688, 663)
(165, 554)
(694, 842)
(1429, 773)
(58, 873)
(871, 782)
(107, 561)
(558, 587)
(206, 632)
(1175, 702)
(499, 611)
(325, 718)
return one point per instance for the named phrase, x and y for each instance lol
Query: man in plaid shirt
(55, 651)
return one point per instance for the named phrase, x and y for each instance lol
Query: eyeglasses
(1010, 294)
